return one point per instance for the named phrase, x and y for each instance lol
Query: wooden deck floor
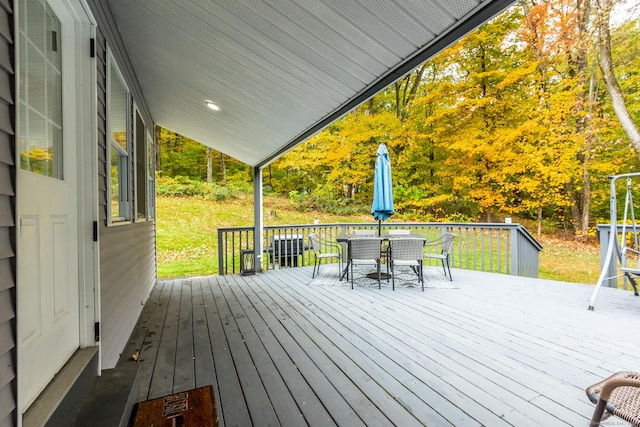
(497, 351)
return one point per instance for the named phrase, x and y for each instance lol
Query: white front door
(47, 195)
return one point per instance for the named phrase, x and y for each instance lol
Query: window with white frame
(119, 145)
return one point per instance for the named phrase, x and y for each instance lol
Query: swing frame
(632, 274)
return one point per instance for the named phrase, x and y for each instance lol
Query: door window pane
(40, 51)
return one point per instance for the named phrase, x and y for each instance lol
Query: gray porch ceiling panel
(280, 70)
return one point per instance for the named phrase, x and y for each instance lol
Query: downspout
(258, 223)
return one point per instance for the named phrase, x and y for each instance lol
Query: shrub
(182, 186)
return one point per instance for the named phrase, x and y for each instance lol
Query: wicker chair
(364, 252)
(619, 395)
(393, 232)
(406, 253)
(446, 241)
(324, 250)
(399, 232)
(364, 233)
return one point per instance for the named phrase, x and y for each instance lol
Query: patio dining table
(384, 238)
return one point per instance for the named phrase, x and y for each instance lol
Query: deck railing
(498, 248)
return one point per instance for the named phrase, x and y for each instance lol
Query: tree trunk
(586, 201)
(398, 105)
(368, 110)
(576, 214)
(416, 84)
(539, 221)
(209, 165)
(583, 121)
(610, 81)
(223, 169)
(402, 92)
(586, 192)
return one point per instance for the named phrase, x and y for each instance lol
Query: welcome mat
(433, 278)
(193, 408)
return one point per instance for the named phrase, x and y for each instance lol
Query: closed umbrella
(382, 207)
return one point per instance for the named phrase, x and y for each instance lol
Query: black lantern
(248, 262)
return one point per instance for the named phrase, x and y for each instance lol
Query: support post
(515, 256)
(604, 235)
(258, 222)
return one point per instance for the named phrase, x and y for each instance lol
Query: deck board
(233, 408)
(387, 349)
(383, 365)
(282, 402)
(163, 372)
(255, 394)
(352, 396)
(148, 350)
(203, 362)
(140, 332)
(499, 350)
(358, 370)
(327, 397)
(184, 373)
(294, 400)
(400, 349)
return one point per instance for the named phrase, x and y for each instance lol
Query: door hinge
(92, 47)
(96, 331)
(95, 231)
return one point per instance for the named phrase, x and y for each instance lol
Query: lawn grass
(187, 230)
(569, 261)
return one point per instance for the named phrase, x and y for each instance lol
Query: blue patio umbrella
(382, 207)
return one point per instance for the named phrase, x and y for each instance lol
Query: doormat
(193, 408)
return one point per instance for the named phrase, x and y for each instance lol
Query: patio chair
(364, 252)
(446, 241)
(399, 232)
(406, 253)
(393, 232)
(619, 395)
(324, 250)
(632, 273)
(364, 233)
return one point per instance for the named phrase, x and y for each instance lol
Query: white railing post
(258, 221)
(515, 258)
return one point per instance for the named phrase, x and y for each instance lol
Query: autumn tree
(613, 87)
(512, 119)
(181, 156)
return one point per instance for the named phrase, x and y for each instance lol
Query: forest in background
(514, 119)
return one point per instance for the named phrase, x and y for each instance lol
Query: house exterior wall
(7, 222)
(127, 250)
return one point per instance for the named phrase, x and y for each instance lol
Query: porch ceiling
(280, 70)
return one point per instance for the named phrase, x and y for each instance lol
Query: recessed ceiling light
(212, 105)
